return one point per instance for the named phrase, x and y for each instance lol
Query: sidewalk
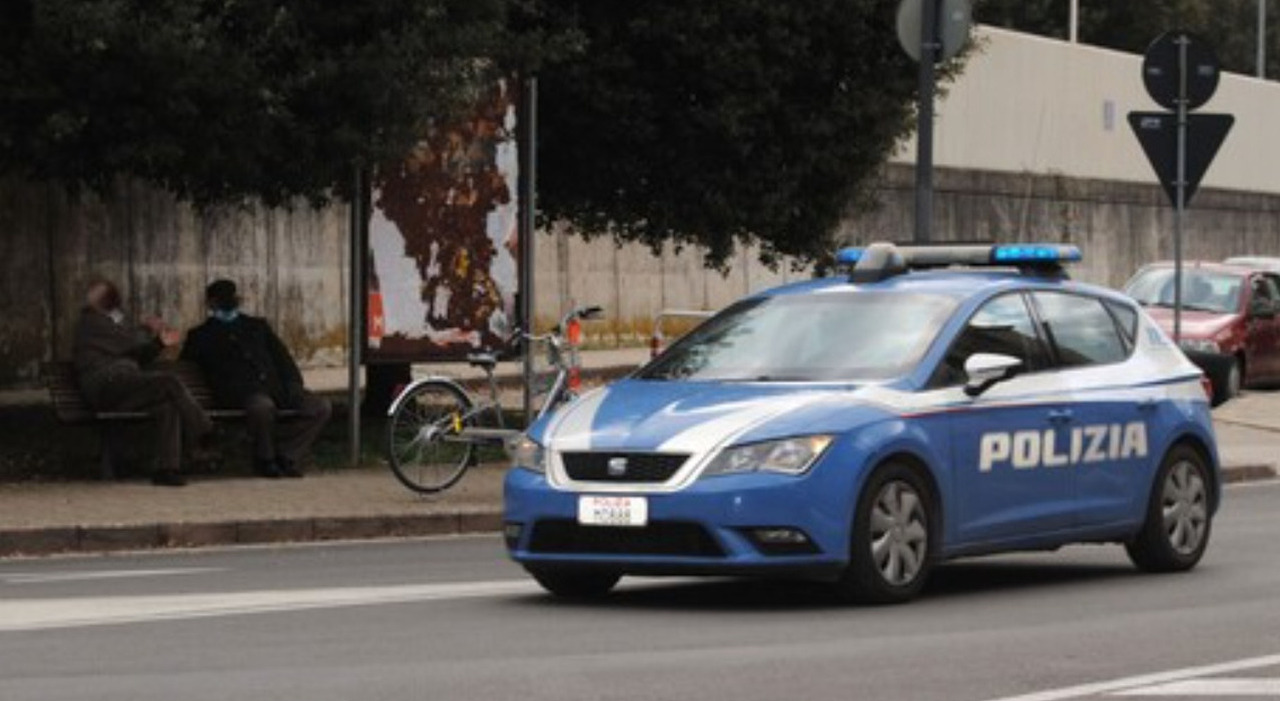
(344, 504)
(45, 518)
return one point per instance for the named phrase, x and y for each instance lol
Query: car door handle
(1060, 416)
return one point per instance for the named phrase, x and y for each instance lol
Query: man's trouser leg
(176, 413)
(297, 434)
(260, 422)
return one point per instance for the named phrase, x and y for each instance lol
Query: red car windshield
(1202, 290)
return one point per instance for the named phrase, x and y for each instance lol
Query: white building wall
(1030, 104)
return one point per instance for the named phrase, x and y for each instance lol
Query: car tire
(1232, 382)
(1179, 516)
(575, 584)
(892, 540)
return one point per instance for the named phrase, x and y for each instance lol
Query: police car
(935, 402)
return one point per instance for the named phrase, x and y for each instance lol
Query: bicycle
(436, 428)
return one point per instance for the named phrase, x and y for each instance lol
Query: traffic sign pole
(924, 119)
(1180, 187)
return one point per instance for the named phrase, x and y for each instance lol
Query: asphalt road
(451, 619)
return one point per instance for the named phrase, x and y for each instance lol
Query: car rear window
(1081, 330)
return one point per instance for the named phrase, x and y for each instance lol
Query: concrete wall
(291, 266)
(1119, 226)
(1030, 104)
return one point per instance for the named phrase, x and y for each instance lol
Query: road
(451, 619)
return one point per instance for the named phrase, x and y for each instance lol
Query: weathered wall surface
(1119, 226)
(292, 265)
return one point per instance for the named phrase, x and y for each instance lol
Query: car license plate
(613, 511)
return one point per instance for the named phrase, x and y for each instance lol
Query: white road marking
(49, 613)
(1145, 680)
(48, 577)
(1213, 688)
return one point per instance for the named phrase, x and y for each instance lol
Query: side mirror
(1261, 309)
(986, 369)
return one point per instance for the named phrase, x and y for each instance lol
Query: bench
(70, 407)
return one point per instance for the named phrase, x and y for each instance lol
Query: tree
(218, 100)
(708, 122)
(721, 122)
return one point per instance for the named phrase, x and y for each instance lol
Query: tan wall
(1029, 104)
(291, 266)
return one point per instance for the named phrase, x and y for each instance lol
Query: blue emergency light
(879, 261)
(1016, 254)
(848, 256)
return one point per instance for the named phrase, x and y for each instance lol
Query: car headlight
(1199, 345)
(789, 456)
(527, 453)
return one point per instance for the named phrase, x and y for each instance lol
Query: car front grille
(628, 467)
(670, 538)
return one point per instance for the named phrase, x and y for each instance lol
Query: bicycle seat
(485, 361)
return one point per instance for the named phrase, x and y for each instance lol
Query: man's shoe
(287, 468)
(168, 479)
(267, 469)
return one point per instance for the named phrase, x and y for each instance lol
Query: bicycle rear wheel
(419, 446)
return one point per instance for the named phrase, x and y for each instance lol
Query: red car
(1229, 323)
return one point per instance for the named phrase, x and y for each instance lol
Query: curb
(29, 542)
(1234, 474)
(32, 542)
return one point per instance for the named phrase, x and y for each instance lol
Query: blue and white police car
(935, 402)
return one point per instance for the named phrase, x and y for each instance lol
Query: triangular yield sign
(1158, 134)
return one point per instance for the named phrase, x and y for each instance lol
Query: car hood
(1195, 324)
(694, 417)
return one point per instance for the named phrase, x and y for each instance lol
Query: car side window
(1002, 325)
(1264, 287)
(1080, 329)
(1127, 317)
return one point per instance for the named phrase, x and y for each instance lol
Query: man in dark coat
(249, 368)
(111, 357)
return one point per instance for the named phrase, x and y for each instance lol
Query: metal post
(528, 210)
(929, 15)
(1073, 23)
(1262, 38)
(1180, 187)
(356, 327)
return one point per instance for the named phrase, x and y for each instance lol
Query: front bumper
(710, 527)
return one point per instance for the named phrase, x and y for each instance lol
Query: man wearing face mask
(249, 368)
(111, 358)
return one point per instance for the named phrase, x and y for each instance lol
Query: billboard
(443, 259)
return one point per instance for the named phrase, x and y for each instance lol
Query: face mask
(116, 315)
(225, 315)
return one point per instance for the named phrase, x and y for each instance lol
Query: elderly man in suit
(111, 358)
(249, 368)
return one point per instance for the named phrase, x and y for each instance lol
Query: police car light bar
(879, 261)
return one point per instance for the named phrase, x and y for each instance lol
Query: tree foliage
(1230, 26)
(711, 122)
(721, 121)
(221, 99)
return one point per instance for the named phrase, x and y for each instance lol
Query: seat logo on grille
(617, 466)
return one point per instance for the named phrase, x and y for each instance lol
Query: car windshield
(1202, 290)
(838, 336)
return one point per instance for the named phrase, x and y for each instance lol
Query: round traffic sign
(1161, 73)
(954, 20)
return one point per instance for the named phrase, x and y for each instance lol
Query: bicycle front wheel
(423, 447)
